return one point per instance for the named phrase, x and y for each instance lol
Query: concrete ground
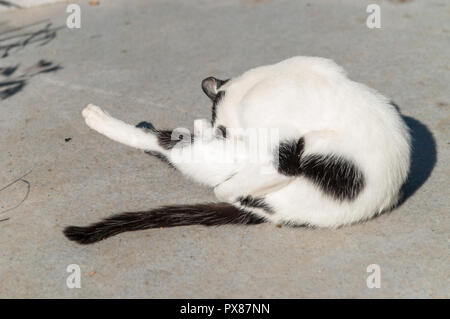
(144, 60)
(21, 4)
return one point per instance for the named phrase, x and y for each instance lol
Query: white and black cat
(341, 155)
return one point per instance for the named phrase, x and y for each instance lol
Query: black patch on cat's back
(289, 153)
(334, 174)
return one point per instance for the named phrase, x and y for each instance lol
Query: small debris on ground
(67, 139)
(94, 3)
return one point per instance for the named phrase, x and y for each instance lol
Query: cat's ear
(211, 86)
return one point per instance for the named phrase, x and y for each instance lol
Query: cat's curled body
(342, 152)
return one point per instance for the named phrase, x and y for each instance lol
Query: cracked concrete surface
(143, 60)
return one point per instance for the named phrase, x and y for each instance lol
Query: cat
(341, 155)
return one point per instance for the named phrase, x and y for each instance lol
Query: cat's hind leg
(118, 130)
(199, 159)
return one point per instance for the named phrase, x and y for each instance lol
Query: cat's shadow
(423, 156)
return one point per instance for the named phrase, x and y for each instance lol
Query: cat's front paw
(95, 117)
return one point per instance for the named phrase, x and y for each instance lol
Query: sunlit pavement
(144, 60)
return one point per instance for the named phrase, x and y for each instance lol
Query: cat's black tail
(210, 214)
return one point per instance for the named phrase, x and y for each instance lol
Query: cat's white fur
(305, 97)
